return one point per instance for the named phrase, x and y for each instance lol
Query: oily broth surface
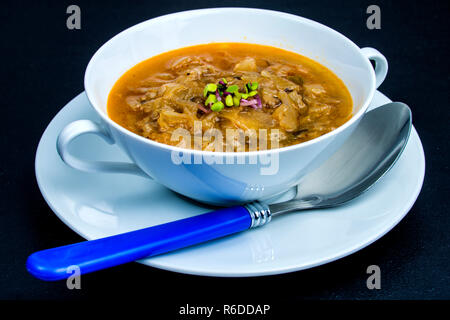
(141, 102)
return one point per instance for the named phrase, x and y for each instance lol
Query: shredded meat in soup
(244, 87)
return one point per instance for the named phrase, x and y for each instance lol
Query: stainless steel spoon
(364, 158)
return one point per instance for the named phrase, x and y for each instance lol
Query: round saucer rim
(278, 270)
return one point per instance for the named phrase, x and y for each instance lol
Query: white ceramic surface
(223, 183)
(99, 205)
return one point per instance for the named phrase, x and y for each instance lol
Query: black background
(42, 68)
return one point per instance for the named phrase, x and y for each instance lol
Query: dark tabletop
(42, 68)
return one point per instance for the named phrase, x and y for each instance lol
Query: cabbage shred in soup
(244, 87)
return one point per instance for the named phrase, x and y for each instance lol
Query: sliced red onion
(219, 98)
(248, 103)
(226, 93)
(222, 83)
(258, 99)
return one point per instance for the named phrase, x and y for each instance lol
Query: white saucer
(100, 205)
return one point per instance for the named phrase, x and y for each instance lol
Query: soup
(246, 94)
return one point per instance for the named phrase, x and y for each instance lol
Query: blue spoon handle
(89, 256)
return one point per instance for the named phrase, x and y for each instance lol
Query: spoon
(365, 157)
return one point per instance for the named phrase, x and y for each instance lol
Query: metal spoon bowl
(371, 150)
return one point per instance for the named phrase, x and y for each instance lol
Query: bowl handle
(80, 127)
(381, 64)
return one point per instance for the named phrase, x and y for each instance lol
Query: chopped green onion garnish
(233, 88)
(231, 95)
(229, 100)
(236, 101)
(211, 87)
(218, 106)
(211, 99)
